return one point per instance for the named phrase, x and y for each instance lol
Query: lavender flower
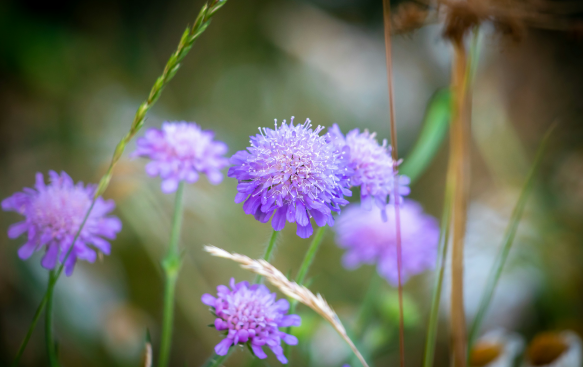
(53, 214)
(293, 172)
(374, 168)
(181, 151)
(250, 315)
(369, 240)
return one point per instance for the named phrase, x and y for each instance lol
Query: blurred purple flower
(293, 172)
(181, 151)
(367, 239)
(53, 214)
(250, 314)
(373, 168)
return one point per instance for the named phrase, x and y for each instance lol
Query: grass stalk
(459, 133)
(395, 155)
(500, 261)
(172, 66)
(171, 265)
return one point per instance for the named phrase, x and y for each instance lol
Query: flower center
(60, 210)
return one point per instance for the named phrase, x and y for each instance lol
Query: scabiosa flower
(367, 239)
(251, 315)
(53, 214)
(181, 151)
(374, 168)
(293, 172)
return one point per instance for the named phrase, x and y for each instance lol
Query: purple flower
(293, 172)
(53, 214)
(250, 315)
(373, 166)
(367, 239)
(181, 151)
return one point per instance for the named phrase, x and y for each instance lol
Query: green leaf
(435, 126)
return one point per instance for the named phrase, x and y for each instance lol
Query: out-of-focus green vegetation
(72, 75)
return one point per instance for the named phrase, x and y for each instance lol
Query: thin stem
(268, 252)
(304, 267)
(172, 66)
(309, 257)
(53, 362)
(441, 262)
(35, 319)
(395, 155)
(217, 360)
(500, 260)
(459, 151)
(171, 265)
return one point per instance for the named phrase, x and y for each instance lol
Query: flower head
(293, 172)
(367, 239)
(53, 214)
(251, 315)
(182, 151)
(373, 166)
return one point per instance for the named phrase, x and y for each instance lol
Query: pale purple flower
(53, 214)
(293, 172)
(374, 168)
(181, 151)
(369, 240)
(250, 315)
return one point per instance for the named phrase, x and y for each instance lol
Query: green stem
(216, 360)
(366, 307)
(441, 262)
(511, 230)
(53, 362)
(35, 319)
(308, 259)
(268, 252)
(171, 265)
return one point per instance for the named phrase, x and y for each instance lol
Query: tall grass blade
(509, 236)
(435, 126)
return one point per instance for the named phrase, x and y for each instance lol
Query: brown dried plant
(290, 289)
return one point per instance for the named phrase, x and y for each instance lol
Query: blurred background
(72, 75)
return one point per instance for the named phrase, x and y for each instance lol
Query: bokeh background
(72, 75)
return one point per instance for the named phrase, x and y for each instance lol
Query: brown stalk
(459, 134)
(395, 155)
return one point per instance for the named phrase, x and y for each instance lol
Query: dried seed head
(409, 17)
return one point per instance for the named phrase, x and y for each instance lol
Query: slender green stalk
(216, 360)
(186, 42)
(500, 260)
(268, 252)
(304, 267)
(445, 226)
(53, 362)
(35, 319)
(171, 265)
(309, 257)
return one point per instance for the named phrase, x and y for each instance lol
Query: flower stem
(268, 252)
(53, 362)
(304, 267)
(186, 42)
(171, 265)
(35, 319)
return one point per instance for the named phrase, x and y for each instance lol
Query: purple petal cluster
(369, 240)
(251, 315)
(293, 174)
(374, 168)
(53, 214)
(181, 151)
